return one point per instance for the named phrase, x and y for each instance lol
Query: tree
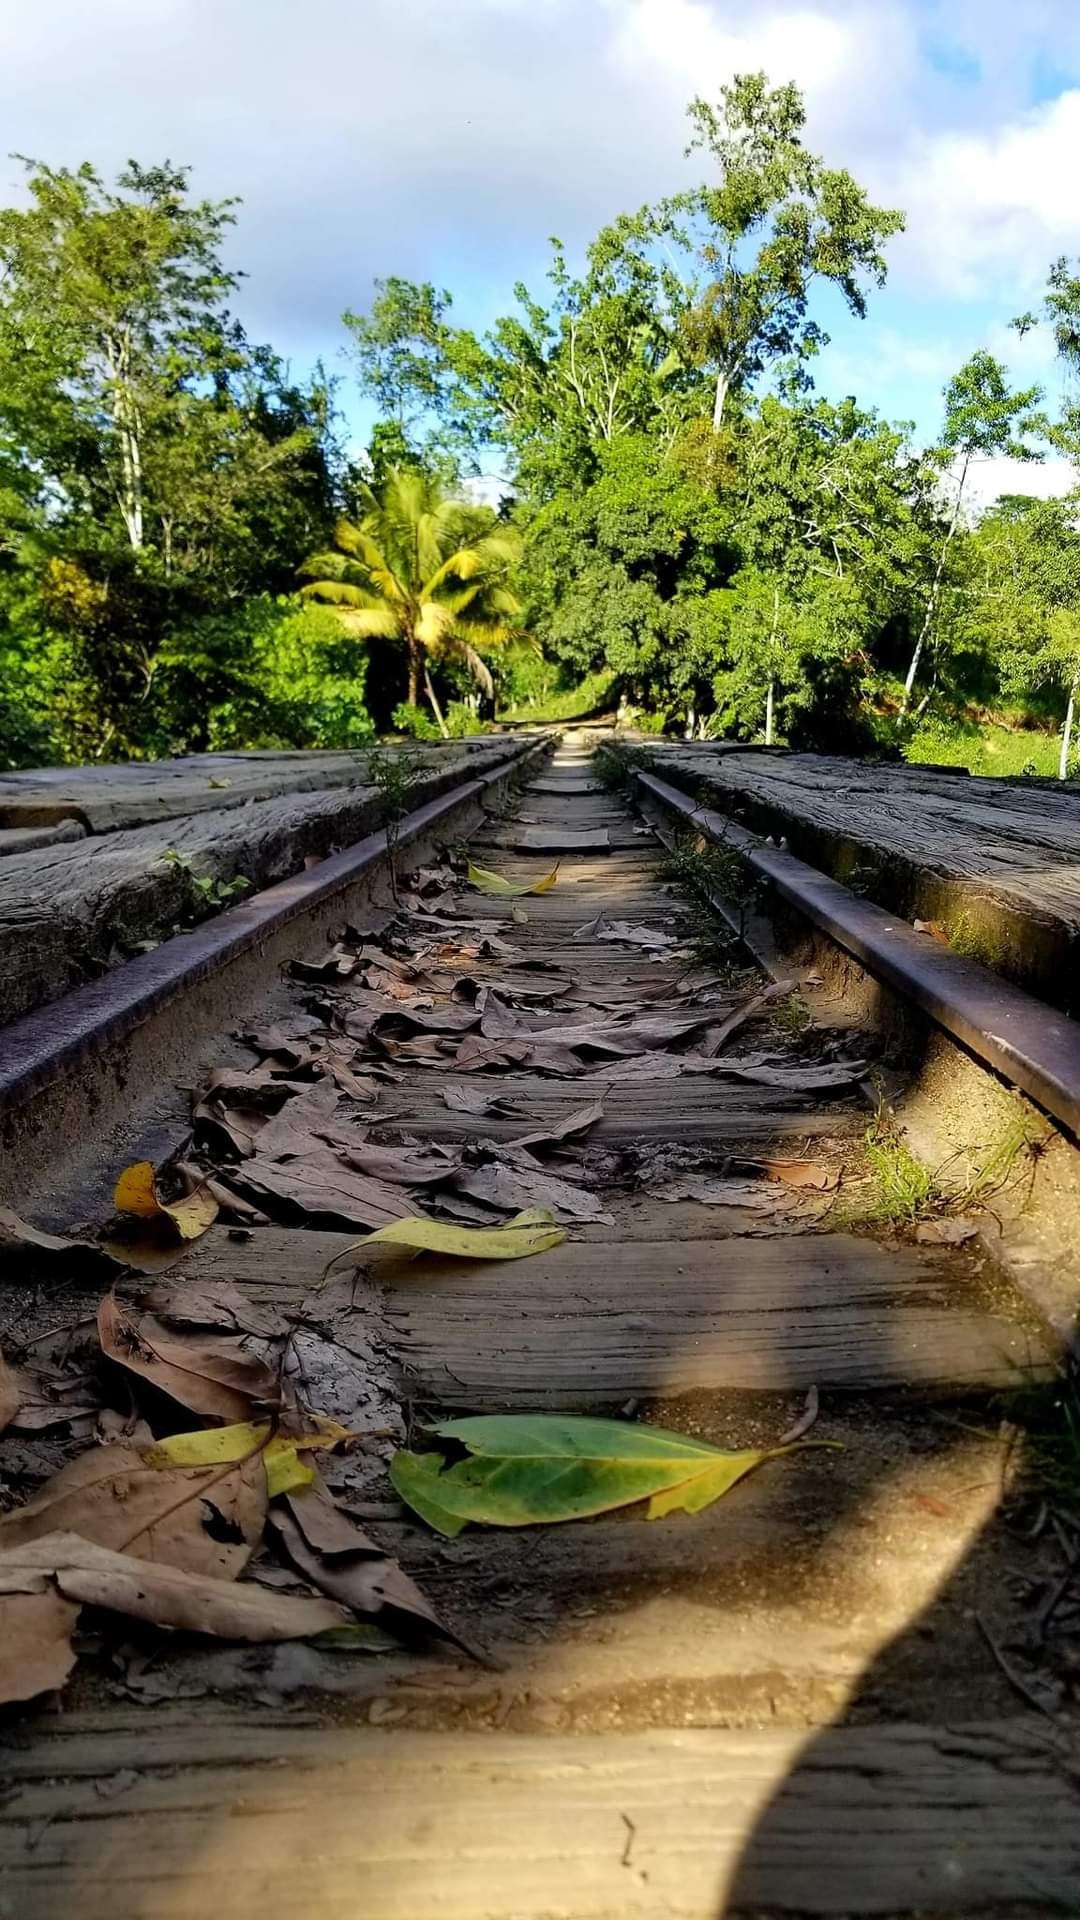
(983, 417)
(776, 221)
(425, 570)
(1028, 600)
(155, 466)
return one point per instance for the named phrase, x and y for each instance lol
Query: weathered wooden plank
(593, 1323)
(588, 1324)
(68, 911)
(997, 861)
(244, 1816)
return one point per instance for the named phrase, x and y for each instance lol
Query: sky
(447, 139)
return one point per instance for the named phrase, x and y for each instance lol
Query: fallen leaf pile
(181, 1433)
(162, 1519)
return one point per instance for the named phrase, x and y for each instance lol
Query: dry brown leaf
(579, 1121)
(796, 1079)
(402, 1166)
(800, 1173)
(214, 1303)
(469, 1099)
(36, 1654)
(317, 1182)
(332, 1550)
(207, 1520)
(514, 1189)
(757, 1196)
(19, 1242)
(165, 1596)
(718, 1036)
(11, 1393)
(212, 1377)
(950, 1232)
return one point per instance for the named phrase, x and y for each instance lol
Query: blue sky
(446, 139)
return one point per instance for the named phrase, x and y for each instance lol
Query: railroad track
(837, 1690)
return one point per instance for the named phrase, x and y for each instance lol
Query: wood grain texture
(997, 858)
(178, 1816)
(69, 911)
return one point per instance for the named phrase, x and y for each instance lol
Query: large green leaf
(527, 1469)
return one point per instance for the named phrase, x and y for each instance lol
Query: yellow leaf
(136, 1193)
(219, 1446)
(531, 1232)
(285, 1471)
(487, 882)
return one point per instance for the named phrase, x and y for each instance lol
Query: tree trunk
(769, 698)
(1066, 731)
(723, 381)
(435, 707)
(414, 672)
(125, 414)
(931, 604)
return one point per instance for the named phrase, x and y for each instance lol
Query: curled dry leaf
(166, 1596)
(799, 1173)
(208, 1521)
(20, 1242)
(529, 1232)
(36, 1654)
(11, 1393)
(718, 1036)
(136, 1194)
(513, 1187)
(212, 1377)
(332, 1550)
(949, 1232)
(494, 883)
(579, 1121)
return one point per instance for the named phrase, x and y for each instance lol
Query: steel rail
(1028, 1043)
(56, 1040)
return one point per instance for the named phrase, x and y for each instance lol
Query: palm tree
(423, 569)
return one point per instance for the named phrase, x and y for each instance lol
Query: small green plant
(711, 868)
(393, 774)
(902, 1189)
(614, 765)
(207, 894)
(413, 721)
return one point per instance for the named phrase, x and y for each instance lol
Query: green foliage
(589, 696)
(902, 1189)
(428, 572)
(206, 894)
(414, 722)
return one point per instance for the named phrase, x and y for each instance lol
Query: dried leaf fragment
(166, 1596)
(136, 1193)
(214, 1377)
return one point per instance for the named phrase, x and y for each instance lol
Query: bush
(414, 721)
(274, 673)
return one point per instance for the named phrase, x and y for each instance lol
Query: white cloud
(993, 206)
(448, 140)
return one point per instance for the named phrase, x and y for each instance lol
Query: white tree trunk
(1066, 731)
(935, 588)
(769, 699)
(126, 421)
(435, 707)
(723, 381)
